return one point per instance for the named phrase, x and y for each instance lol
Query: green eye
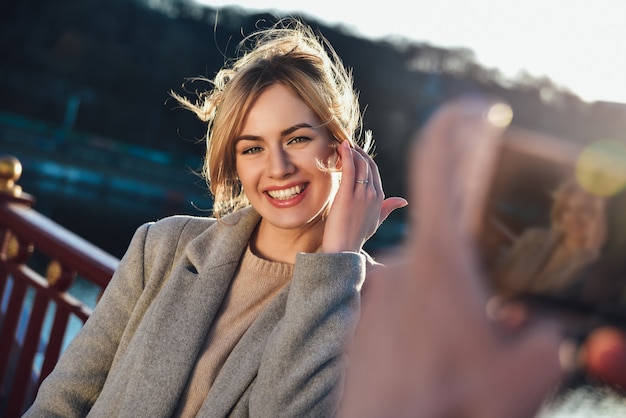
(299, 139)
(252, 150)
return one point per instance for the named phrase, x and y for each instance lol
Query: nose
(279, 163)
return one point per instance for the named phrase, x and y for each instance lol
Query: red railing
(27, 240)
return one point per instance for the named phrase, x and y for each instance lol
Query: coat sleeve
(302, 368)
(75, 383)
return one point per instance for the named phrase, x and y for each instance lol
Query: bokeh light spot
(601, 167)
(500, 114)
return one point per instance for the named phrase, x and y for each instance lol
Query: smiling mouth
(285, 194)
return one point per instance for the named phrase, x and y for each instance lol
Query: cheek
(239, 172)
(245, 174)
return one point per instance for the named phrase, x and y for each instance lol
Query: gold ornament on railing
(17, 251)
(10, 172)
(54, 272)
(12, 248)
(59, 276)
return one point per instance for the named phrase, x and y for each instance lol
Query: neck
(277, 244)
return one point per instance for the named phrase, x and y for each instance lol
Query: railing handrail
(53, 239)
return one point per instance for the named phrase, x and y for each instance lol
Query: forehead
(277, 106)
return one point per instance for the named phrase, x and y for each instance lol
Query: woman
(247, 313)
(548, 260)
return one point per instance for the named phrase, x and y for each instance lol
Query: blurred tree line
(120, 58)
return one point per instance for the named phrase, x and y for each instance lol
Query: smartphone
(553, 233)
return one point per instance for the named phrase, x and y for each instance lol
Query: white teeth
(286, 193)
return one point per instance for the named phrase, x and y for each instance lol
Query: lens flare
(601, 167)
(500, 114)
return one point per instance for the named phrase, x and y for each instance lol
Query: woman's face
(578, 213)
(276, 157)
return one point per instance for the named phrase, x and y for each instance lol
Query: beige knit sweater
(255, 283)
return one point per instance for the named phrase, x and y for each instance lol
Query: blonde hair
(291, 54)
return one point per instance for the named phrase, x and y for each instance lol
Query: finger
(455, 141)
(375, 177)
(453, 162)
(347, 164)
(362, 169)
(354, 167)
(389, 205)
(373, 172)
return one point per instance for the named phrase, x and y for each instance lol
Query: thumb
(389, 205)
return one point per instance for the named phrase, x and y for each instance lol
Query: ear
(337, 158)
(334, 160)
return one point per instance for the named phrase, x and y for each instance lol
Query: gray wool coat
(133, 356)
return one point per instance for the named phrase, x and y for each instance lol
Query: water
(81, 289)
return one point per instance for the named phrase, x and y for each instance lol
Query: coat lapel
(242, 365)
(179, 318)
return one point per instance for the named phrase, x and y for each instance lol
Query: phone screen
(554, 231)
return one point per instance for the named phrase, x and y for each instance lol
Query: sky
(578, 44)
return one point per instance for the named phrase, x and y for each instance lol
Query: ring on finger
(361, 181)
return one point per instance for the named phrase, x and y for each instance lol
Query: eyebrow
(284, 132)
(295, 128)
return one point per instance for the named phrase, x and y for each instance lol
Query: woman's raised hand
(360, 205)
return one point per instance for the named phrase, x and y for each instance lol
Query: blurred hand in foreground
(425, 346)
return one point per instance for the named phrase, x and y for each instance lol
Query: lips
(286, 194)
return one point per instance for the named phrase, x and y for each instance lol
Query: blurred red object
(605, 356)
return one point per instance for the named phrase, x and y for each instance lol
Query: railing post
(10, 192)
(11, 249)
